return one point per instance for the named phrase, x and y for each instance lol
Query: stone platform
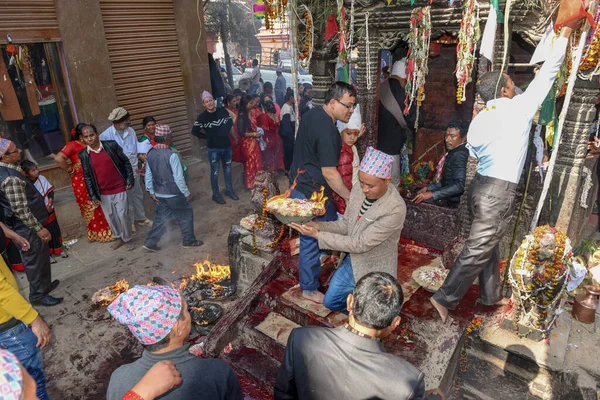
(251, 337)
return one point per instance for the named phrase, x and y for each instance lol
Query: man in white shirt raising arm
(498, 136)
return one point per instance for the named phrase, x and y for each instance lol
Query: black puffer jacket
(454, 175)
(117, 156)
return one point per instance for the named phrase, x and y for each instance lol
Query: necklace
(351, 329)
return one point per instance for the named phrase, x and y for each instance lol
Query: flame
(198, 308)
(288, 192)
(318, 197)
(116, 289)
(209, 272)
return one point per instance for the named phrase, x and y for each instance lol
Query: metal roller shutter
(145, 63)
(28, 21)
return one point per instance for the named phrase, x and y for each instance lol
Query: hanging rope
(561, 123)
(368, 50)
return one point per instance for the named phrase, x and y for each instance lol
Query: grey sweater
(201, 377)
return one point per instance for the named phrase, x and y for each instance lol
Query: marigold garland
(465, 49)
(541, 294)
(418, 39)
(308, 45)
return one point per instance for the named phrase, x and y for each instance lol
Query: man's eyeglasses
(348, 106)
(8, 153)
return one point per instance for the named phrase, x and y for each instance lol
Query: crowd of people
(363, 220)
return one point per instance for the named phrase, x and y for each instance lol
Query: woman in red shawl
(246, 128)
(97, 227)
(231, 105)
(273, 154)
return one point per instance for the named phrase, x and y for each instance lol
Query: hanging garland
(368, 51)
(276, 10)
(591, 59)
(538, 281)
(418, 54)
(465, 50)
(306, 40)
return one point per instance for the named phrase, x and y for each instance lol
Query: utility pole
(224, 38)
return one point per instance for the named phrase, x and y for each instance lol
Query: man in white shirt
(121, 132)
(498, 136)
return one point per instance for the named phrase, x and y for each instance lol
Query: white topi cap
(399, 68)
(355, 121)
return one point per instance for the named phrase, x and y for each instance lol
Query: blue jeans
(309, 259)
(21, 341)
(224, 157)
(169, 207)
(341, 285)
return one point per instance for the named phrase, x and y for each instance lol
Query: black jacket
(117, 156)
(336, 364)
(454, 175)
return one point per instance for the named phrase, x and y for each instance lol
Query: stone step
(268, 331)
(257, 368)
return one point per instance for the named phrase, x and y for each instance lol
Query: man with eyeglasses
(317, 152)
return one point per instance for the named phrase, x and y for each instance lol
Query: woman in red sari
(97, 227)
(247, 131)
(273, 154)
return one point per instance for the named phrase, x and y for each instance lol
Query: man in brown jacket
(369, 232)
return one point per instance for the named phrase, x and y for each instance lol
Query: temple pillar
(572, 190)
(322, 68)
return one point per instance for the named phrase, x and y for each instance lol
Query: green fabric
(499, 12)
(548, 109)
(345, 74)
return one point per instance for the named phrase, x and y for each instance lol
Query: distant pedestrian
(255, 77)
(167, 187)
(280, 87)
(287, 128)
(108, 175)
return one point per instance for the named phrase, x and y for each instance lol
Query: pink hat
(377, 163)
(150, 312)
(206, 95)
(11, 378)
(4, 145)
(162, 130)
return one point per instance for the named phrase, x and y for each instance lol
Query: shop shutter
(145, 63)
(28, 21)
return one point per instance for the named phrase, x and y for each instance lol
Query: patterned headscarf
(206, 95)
(11, 377)
(150, 312)
(377, 163)
(4, 145)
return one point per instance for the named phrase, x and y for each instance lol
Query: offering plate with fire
(210, 282)
(300, 211)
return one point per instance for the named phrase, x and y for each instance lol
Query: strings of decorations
(306, 39)
(368, 51)
(591, 59)
(465, 50)
(275, 10)
(418, 40)
(260, 222)
(538, 276)
(259, 9)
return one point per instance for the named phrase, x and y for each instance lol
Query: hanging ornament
(368, 51)
(465, 50)
(306, 38)
(418, 40)
(590, 62)
(259, 9)
(331, 28)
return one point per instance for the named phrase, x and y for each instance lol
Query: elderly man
(215, 125)
(498, 136)
(350, 362)
(121, 132)
(22, 329)
(451, 172)
(167, 187)
(280, 87)
(158, 317)
(394, 126)
(108, 175)
(369, 232)
(25, 213)
(317, 152)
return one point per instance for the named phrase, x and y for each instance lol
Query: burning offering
(206, 313)
(104, 297)
(430, 278)
(211, 281)
(300, 211)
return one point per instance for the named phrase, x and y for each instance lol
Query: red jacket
(345, 169)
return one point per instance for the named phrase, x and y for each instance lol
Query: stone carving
(263, 180)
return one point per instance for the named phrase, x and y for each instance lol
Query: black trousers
(491, 204)
(37, 263)
(172, 207)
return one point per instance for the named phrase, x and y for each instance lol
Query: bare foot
(315, 296)
(117, 244)
(443, 311)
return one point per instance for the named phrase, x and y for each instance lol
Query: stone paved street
(87, 344)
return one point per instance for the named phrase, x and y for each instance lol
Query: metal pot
(584, 309)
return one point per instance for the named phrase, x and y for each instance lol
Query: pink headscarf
(206, 95)
(377, 163)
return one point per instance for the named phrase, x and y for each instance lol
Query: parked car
(237, 74)
(271, 76)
